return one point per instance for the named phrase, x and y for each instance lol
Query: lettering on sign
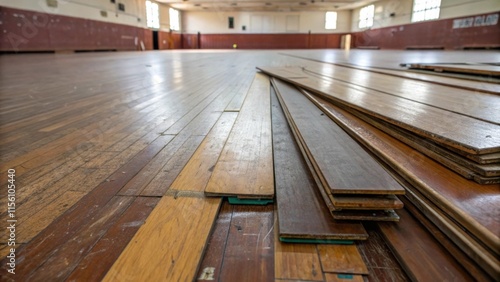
(484, 20)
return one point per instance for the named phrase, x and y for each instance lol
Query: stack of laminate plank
(443, 147)
(353, 185)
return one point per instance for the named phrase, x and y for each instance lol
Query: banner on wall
(483, 20)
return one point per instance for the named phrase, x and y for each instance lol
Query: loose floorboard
(245, 167)
(418, 252)
(461, 132)
(249, 252)
(341, 259)
(345, 167)
(154, 256)
(447, 191)
(301, 211)
(394, 70)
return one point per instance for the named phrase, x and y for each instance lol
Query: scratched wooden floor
(96, 139)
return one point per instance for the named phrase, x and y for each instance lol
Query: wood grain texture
(104, 253)
(343, 165)
(480, 86)
(195, 175)
(153, 255)
(341, 259)
(419, 253)
(461, 253)
(478, 138)
(443, 187)
(295, 261)
(211, 263)
(479, 105)
(300, 207)
(250, 245)
(333, 277)
(481, 69)
(245, 166)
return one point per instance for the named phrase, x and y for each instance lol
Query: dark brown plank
(474, 269)
(420, 254)
(250, 245)
(211, 264)
(343, 165)
(100, 258)
(480, 136)
(65, 258)
(301, 210)
(466, 202)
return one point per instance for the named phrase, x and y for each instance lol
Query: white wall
(403, 10)
(88, 9)
(262, 22)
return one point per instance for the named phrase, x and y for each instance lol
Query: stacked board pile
(443, 147)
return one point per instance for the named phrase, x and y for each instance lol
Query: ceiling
(269, 5)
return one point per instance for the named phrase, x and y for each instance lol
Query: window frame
(425, 10)
(366, 16)
(174, 25)
(152, 14)
(331, 21)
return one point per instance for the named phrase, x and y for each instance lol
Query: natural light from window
(424, 10)
(366, 16)
(152, 15)
(331, 20)
(174, 19)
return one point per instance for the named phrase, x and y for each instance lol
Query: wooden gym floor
(96, 140)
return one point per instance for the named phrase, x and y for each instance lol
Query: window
(174, 19)
(366, 16)
(424, 10)
(152, 15)
(331, 20)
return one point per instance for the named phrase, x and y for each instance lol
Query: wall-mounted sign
(484, 20)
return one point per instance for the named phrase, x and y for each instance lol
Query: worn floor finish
(96, 139)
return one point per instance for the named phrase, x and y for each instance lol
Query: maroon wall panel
(169, 40)
(34, 31)
(431, 34)
(254, 41)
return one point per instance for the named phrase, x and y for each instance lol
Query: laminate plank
(195, 175)
(295, 261)
(345, 167)
(341, 259)
(422, 257)
(478, 138)
(464, 83)
(479, 105)
(245, 167)
(468, 203)
(100, 258)
(250, 246)
(211, 263)
(300, 208)
(169, 246)
(475, 270)
(64, 259)
(487, 70)
(450, 159)
(374, 202)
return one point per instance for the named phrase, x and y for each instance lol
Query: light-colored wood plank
(169, 246)
(296, 261)
(245, 167)
(341, 259)
(334, 277)
(197, 172)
